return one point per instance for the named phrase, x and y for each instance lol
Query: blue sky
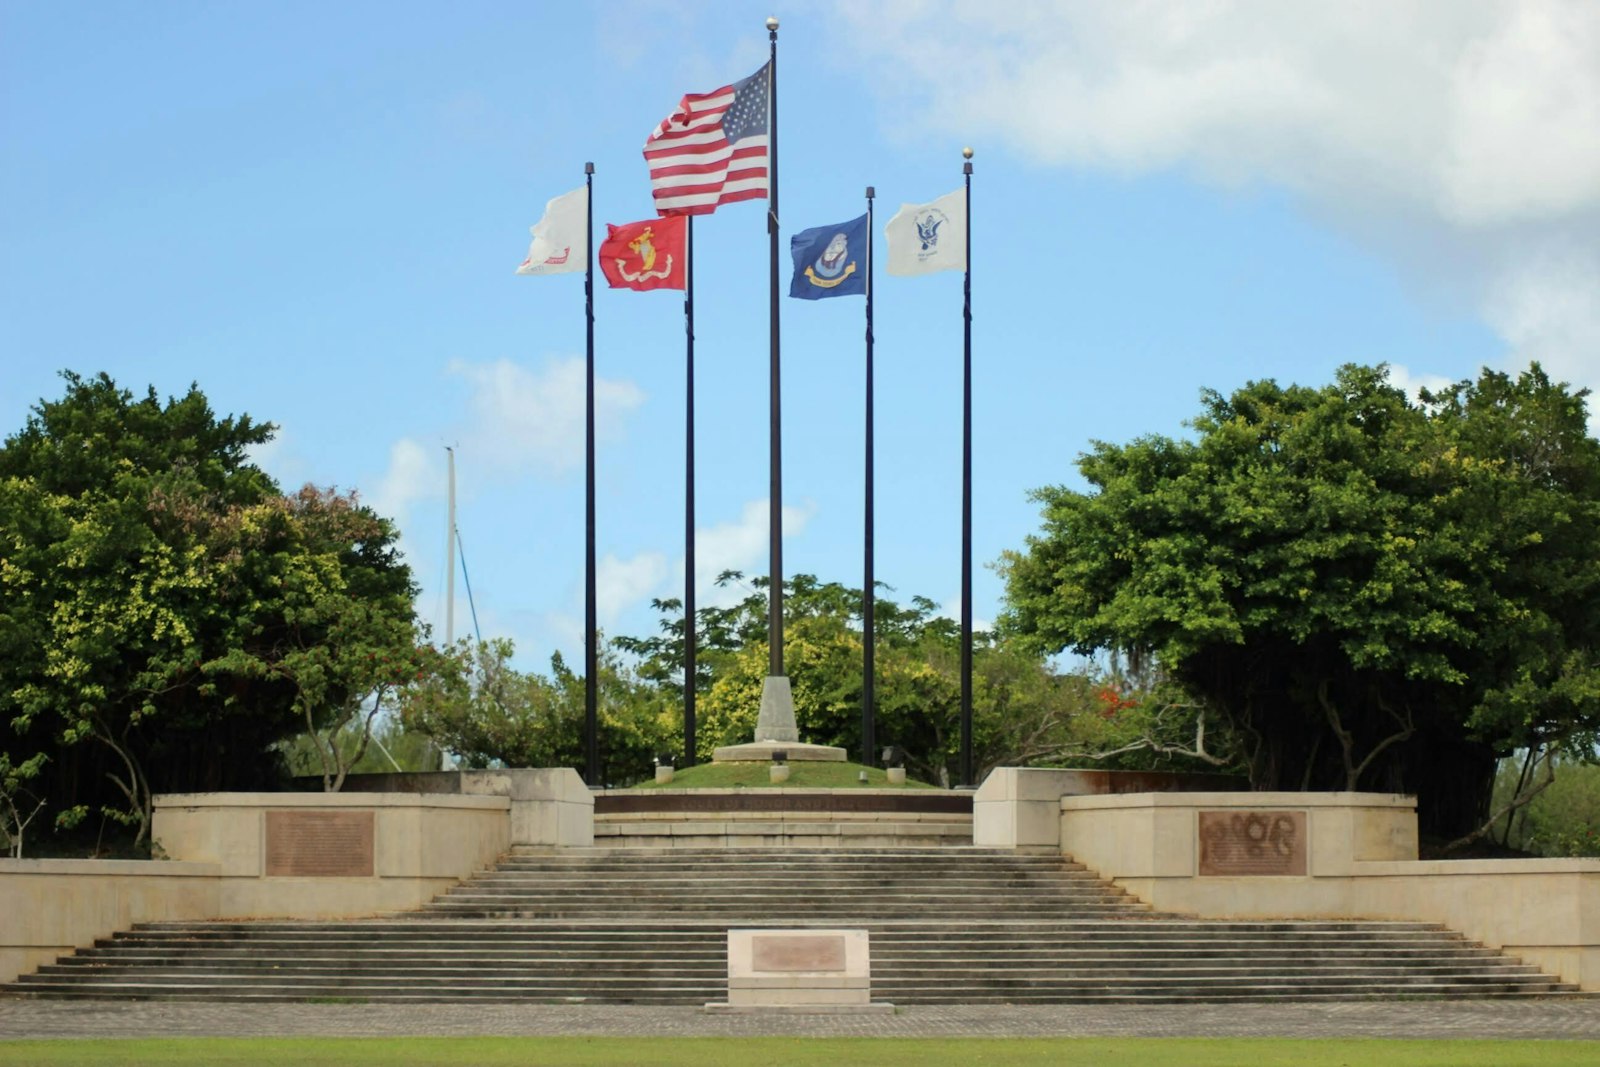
(314, 212)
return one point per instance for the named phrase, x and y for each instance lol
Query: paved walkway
(1543, 1018)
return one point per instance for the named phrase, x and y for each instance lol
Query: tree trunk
(1452, 778)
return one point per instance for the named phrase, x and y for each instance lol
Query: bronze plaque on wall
(1252, 842)
(319, 844)
(819, 953)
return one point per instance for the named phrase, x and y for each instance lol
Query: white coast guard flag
(924, 238)
(560, 239)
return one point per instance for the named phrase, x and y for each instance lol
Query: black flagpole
(775, 488)
(689, 644)
(591, 652)
(966, 493)
(868, 590)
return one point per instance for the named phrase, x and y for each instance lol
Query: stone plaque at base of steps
(799, 972)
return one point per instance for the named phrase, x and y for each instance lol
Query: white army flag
(560, 239)
(924, 238)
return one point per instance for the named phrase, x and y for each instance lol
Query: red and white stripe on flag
(693, 167)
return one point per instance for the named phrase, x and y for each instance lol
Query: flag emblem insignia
(833, 266)
(928, 229)
(644, 247)
(645, 255)
(828, 260)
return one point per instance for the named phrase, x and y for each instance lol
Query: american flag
(712, 150)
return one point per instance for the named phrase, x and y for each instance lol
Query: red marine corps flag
(645, 255)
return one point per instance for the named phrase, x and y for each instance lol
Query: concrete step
(1284, 994)
(1122, 931)
(651, 972)
(948, 925)
(940, 957)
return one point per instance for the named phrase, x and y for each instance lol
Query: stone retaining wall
(50, 907)
(331, 855)
(1333, 855)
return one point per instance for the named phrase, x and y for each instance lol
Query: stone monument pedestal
(776, 731)
(761, 751)
(804, 971)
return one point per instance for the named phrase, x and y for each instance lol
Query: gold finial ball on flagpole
(772, 23)
(966, 153)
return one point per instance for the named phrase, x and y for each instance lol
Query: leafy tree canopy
(489, 714)
(1024, 711)
(1375, 593)
(157, 588)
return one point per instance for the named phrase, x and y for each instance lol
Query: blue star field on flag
(747, 115)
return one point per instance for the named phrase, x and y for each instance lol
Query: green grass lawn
(803, 774)
(799, 1052)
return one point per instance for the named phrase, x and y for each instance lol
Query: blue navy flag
(830, 260)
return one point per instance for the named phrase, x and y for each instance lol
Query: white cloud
(1402, 378)
(519, 423)
(622, 584)
(951, 609)
(1457, 135)
(277, 458)
(532, 422)
(414, 473)
(1548, 308)
(567, 628)
(739, 545)
(625, 585)
(1525, 105)
(1483, 110)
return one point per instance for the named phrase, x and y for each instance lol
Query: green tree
(1024, 711)
(341, 637)
(1564, 819)
(1372, 593)
(19, 804)
(391, 748)
(146, 565)
(489, 714)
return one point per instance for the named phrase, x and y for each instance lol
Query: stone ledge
(724, 1008)
(267, 801)
(780, 817)
(782, 791)
(808, 828)
(813, 803)
(762, 752)
(1337, 801)
(114, 868)
(663, 843)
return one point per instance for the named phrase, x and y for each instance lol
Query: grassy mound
(803, 774)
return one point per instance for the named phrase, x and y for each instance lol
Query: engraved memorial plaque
(319, 844)
(797, 953)
(1252, 843)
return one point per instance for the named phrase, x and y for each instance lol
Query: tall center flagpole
(591, 652)
(966, 492)
(868, 590)
(775, 723)
(689, 637)
(775, 489)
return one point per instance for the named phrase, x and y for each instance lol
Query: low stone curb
(1552, 1018)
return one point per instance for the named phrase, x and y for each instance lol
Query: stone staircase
(635, 925)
